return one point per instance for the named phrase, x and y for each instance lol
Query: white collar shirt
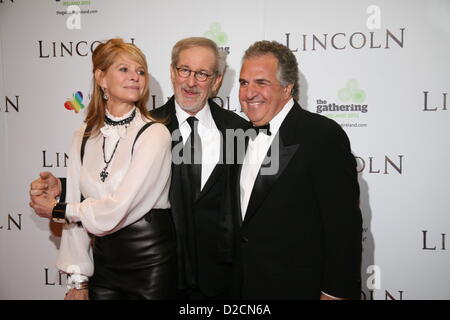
(255, 155)
(210, 137)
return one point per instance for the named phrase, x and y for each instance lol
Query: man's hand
(46, 183)
(74, 294)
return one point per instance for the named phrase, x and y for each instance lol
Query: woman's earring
(105, 95)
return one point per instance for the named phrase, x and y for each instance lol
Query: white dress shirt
(256, 153)
(210, 137)
(254, 157)
(135, 184)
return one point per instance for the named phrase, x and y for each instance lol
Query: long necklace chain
(104, 174)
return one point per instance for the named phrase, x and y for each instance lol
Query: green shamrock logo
(216, 34)
(352, 92)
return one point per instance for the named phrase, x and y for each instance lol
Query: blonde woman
(118, 183)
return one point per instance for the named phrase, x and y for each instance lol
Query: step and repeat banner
(381, 69)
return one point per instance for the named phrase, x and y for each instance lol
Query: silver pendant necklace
(104, 174)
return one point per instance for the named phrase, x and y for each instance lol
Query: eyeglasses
(199, 75)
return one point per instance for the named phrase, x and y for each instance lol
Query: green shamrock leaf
(216, 34)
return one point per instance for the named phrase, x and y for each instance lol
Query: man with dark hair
(301, 226)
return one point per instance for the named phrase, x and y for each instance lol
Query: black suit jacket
(207, 227)
(302, 230)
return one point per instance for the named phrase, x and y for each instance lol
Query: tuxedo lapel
(171, 115)
(287, 148)
(217, 172)
(264, 183)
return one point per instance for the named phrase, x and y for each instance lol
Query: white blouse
(135, 184)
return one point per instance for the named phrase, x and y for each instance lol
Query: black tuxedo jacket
(207, 227)
(302, 230)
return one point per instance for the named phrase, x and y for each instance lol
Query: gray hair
(220, 63)
(287, 63)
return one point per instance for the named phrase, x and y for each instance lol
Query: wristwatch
(59, 212)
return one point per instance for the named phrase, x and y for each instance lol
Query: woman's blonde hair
(103, 57)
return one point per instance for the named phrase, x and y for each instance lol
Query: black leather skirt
(136, 262)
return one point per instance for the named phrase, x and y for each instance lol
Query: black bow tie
(264, 129)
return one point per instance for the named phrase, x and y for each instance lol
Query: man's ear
(216, 85)
(172, 73)
(288, 90)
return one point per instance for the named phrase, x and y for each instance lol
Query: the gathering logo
(76, 104)
(352, 93)
(74, 12)
(351, 108)
(216, 34)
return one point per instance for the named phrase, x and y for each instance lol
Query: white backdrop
(391, 58)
